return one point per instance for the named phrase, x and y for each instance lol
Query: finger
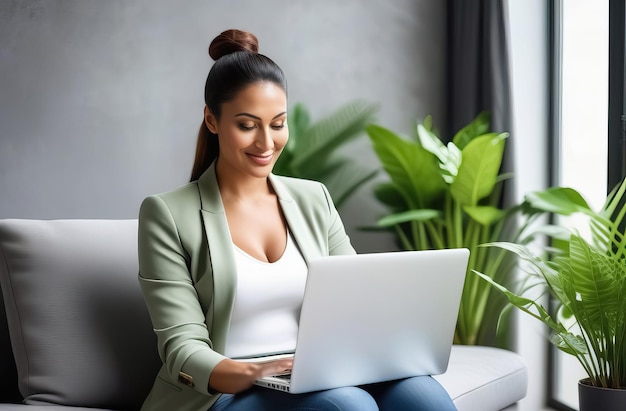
(287, 362)
(276, 369)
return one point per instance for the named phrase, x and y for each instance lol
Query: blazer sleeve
(338, 240)
(178, 320)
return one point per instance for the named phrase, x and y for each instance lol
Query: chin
(262, 172)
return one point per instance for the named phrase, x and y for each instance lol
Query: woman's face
(252, 130)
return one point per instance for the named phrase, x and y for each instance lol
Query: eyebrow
(259, 118)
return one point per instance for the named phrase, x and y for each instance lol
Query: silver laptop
(377, 317)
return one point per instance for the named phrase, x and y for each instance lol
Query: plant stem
(406, 243)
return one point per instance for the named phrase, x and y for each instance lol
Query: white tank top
(267, 303)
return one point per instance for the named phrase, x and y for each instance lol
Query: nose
(264, 138)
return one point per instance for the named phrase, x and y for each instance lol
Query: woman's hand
(231, 377)
(276, 367)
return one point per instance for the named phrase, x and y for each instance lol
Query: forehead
(259, 96)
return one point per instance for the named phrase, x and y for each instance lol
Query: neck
(236, 186)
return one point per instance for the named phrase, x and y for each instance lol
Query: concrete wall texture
(100, 101)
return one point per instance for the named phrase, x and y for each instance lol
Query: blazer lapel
(295, 220)
(221, 252)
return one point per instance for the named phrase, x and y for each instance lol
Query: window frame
(616, 132)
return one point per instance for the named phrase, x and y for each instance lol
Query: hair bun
(231, 41)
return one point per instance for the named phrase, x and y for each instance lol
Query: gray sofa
(80, 336)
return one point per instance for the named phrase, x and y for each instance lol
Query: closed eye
(245, 127)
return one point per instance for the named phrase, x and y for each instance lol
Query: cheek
(234, 138)
(281, 139)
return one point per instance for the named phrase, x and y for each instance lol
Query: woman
(222, 260)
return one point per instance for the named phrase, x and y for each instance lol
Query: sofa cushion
(484, 378)
(79, 329)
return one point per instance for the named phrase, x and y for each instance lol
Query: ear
(210, 120)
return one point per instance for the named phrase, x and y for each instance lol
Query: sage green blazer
(188, 277)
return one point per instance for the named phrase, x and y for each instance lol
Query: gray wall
(101, 100)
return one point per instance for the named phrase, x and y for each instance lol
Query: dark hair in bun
(231, 41)
(237, 65)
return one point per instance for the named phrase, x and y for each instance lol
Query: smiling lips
(261, 160)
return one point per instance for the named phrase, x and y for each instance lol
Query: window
(588, 151)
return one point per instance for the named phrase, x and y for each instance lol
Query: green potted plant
(450, 196)
(586, 276)
(312, 149)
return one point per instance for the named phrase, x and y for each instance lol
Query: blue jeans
(415, 393)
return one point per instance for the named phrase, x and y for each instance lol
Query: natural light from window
(583, 147)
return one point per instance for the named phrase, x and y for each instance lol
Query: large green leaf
(569, 343)
(431, 142)
(607, 225)
(389, 194)
(590, 286)
(528, 305)
(344, 177)
(485, 215)
(480, 165)
(614, 208)
(331, 132)
(298, 121)
(407, 216)
(562, 338)
(540, 267)
(410, 167)
(559, 200)
(449, 156)
(477, 127)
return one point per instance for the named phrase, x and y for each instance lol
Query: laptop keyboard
(285, 377)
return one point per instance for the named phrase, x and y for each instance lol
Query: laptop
(376, 317)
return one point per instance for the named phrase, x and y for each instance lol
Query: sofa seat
(81, 338)
(484, 378)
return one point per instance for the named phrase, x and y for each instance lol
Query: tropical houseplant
(586, 275)
(450, 196)
(312, 149)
